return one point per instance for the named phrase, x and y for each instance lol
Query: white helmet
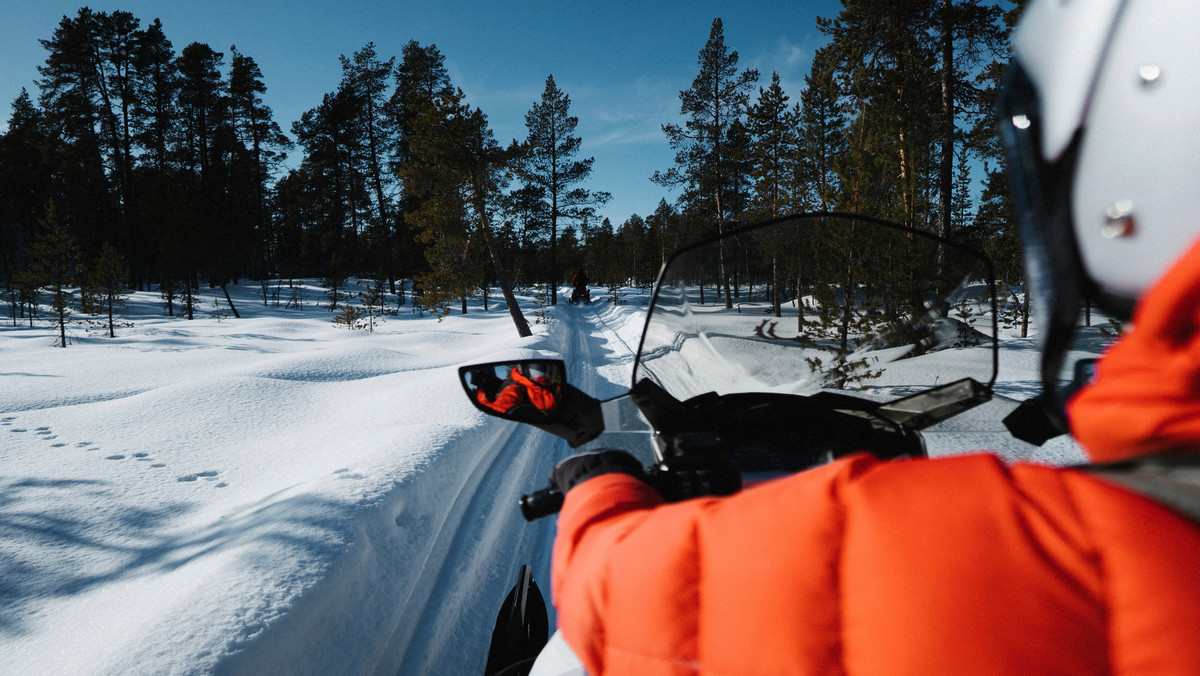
(1101, 121)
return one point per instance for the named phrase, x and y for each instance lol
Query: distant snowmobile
(578, 295)
(728, 402)
(580, 292)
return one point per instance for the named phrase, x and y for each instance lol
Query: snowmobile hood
(1145, 397)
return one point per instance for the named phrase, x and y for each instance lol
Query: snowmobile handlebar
(697, 465)
(541, 503)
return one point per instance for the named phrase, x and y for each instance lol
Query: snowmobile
(770, 350)
(580, 295)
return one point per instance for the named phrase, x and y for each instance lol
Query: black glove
(574, 470)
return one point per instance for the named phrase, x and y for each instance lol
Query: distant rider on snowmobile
(965, 565)
(579, 281)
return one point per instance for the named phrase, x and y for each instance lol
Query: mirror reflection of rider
(518, 392)
(967, 564)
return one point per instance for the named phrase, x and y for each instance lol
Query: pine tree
(968, 33)
(207, 234)
(54, 267)
(773, 126)
(70, 99)
(364, 78)
(889, 55)
(261, 146)
(155, 91)
(526, 209)
(822, 130)
(457, 170)
(25, 185)
(717, 98)
(421, 78)
(550, 165)
(106, 286)
(155, 94)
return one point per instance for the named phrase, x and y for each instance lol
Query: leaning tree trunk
(502, 279)
(229, 300)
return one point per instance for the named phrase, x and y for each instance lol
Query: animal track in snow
(210, 474)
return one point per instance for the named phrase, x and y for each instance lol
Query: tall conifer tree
(55, 258)
(458, 169)
(550, 165)
(717, 98)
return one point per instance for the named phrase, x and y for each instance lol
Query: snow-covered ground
(274, 494)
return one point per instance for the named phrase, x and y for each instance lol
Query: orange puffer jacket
(949, 566)
(521, 390)
(957, 565)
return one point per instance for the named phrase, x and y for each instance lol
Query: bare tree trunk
(905, 181)
(485, 227)
(554, 275)
(776, 306)
(946, 170)
(230, 301)
(60, 306)
(724, 281)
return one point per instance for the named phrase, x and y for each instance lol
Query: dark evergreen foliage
(173, 159)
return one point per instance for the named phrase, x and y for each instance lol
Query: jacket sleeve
(641, 586)
(858, 566)
(1145, 397)
(605, 509)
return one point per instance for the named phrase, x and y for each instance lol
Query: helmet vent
(1149, 74)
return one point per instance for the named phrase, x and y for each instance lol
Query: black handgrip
(543, 503)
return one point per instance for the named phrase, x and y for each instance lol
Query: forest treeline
(171, 164)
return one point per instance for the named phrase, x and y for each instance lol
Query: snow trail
(448, 543)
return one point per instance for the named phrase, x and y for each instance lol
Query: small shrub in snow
(350, 317)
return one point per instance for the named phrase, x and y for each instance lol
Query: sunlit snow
(274, 494)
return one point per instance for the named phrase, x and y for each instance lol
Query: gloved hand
(574, 470)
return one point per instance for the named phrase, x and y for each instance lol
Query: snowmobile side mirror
(534, 392)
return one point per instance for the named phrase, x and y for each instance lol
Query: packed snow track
(431, 564)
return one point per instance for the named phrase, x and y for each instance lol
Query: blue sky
(621, 62)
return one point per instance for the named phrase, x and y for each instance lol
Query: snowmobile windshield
(820, 302)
